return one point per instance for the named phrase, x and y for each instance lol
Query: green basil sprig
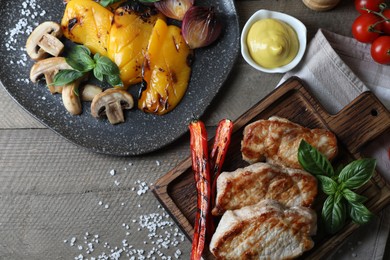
(338, 185)
(106, 3)
(79, 58)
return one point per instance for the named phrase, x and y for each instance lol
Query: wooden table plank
(50, 191)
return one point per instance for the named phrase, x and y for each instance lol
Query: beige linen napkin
(337, 69)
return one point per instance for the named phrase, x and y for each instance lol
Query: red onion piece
(174, 9)
(200, 26)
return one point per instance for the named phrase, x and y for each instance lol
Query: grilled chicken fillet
(249, 185)
(277, 140)
(266, 230)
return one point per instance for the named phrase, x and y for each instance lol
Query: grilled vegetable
(129, 37)
(200, 26)
(166, 69)
(219, 150)
(200, 166)
(88, 23)
(174, 9)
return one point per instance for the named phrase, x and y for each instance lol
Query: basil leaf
(98, 74)
(106, 3)
(353, 197)
(79, 58)
(357, 173)
(114, 80)
(334, 213)
(313, 161)
(359, 213)
(105, 65)
(328, 185)
(65, 77)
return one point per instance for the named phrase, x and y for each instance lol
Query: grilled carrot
(201, 168)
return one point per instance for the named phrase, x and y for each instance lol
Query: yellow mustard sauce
(272, 43)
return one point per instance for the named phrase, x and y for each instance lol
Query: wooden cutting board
(361, 121)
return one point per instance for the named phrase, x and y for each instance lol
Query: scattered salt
(161, 235)
(17, 34)
(142, 187)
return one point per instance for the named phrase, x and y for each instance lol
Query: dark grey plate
(141, 133)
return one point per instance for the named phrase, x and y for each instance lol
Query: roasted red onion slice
(200, 26)
(174, 9)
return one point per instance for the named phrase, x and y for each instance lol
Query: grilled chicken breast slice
(267, 230)
(249, 185)
(277, 140)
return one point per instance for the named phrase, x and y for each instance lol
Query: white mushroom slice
(44, 41)
(111, 102)
(49, 68)
(70, 96)
(89, 91)
(70, 99)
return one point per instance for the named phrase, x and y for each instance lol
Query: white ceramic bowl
(297, 25)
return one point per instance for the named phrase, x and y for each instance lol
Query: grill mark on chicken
(277, 140)
(247, 186)
(266, 230)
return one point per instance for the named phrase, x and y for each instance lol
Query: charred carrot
(201, 168)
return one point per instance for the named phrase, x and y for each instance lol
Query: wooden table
(58, 201)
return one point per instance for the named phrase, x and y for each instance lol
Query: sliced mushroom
(70, 97)
(49, 68)
(44, 41)
(89, 91)
(111, 102)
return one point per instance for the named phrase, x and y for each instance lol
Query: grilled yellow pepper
(88, 23)
(166, 69)
(129, 37)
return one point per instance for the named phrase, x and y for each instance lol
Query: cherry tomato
(366, 28)
(380, 50)
(372, 5)
(386, 24)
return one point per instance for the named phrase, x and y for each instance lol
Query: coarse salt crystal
(112, 172)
